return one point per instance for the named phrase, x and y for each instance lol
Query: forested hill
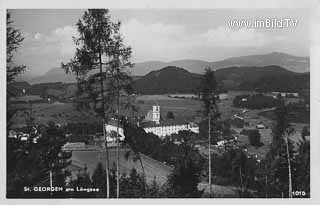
(170, 79)
(267, 78)
(173, 79)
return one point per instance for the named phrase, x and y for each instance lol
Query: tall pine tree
(100, 47)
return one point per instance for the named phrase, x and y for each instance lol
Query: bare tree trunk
(241, 180)
(266, 188)
(107, 160)
(144, 174)
(50, 176)
(289, 168)
(104, 120)
(117, 139)
(209, 131)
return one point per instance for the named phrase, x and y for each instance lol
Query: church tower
(156, 113)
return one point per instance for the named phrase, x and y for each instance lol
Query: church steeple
(156, 113)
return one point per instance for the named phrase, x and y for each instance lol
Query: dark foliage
(235, 168)
(79, 130)
(184, 180)
(14, 38)
(161, 150)
(29, 162)
(236, 122)
(265, 79)
(257, 101)
(297, 113)
(253, 136)
(170, 115)
(281, 83)
(276, 166)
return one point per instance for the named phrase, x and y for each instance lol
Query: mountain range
(289, 62)
(172, 79)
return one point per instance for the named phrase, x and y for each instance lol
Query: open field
(185, 108)
(56, 112)
(65, 112)
(153, 168)
(27, 98)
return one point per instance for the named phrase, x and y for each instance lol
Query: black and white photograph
(114, 103)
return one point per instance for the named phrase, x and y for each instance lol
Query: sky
(162, 34)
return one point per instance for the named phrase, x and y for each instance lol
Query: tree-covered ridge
(173, 79)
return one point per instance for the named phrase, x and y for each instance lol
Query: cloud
(37, 36)
(58, 41)
(42, 51)
(62, 39)
(168, 42)
(226, 37)
(153, 41)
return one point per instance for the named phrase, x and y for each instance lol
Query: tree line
(257, 101)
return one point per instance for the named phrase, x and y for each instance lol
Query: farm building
(260, 126)
(285, 94)
(223, 96)
(112, 129)
(70, 146)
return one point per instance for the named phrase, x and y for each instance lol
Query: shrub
(238, 123)
(254, 137)
(170, 115)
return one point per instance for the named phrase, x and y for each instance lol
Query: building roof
(167, 122)
(114, 122)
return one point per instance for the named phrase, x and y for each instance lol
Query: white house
(260, 126)
(111, 129)
(223, 96)
(71, 146)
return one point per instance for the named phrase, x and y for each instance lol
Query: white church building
(153, 124)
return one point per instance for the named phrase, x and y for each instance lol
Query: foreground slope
(153, 168)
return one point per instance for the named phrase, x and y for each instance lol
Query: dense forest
(257, 101)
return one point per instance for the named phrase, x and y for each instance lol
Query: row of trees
(257, 101)
(134, 184)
